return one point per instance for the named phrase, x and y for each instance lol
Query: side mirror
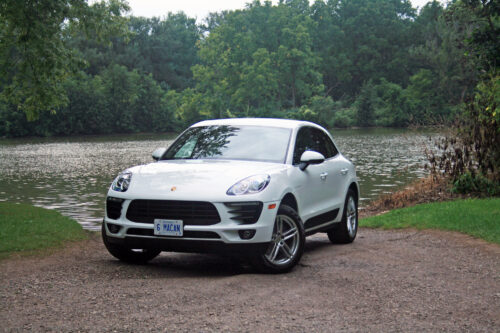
(310, 157)
(158, 153)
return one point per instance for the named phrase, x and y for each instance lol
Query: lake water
(72, 175)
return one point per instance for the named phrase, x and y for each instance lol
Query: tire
(345, 232)
(287, 243)
(133, 256)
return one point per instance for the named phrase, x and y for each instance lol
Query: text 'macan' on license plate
(168, 227)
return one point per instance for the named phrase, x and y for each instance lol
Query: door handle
(343, 172)
(323, 175)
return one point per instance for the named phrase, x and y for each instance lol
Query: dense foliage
(75, 68)
(35, 58)
(470, 156)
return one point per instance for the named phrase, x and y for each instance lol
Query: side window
(323, 144)
(302, 143)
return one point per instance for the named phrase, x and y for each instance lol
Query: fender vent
(246, 212)
(114, 207)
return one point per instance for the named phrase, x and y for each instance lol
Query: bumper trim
(190, 246)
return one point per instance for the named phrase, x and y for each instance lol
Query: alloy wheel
(352, 218)
(284, 242)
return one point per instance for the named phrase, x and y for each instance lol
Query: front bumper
(190, 245)
(197, 238)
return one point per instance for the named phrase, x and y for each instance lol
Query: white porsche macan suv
(254, 188)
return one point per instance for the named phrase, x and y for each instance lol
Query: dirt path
(385, 281)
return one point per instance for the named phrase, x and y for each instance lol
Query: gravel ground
(387, 281)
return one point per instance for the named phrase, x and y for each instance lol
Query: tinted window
(323, 143)
(309, 138)
(302, 143)
(253, 143)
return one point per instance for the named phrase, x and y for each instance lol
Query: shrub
(470, 156)
(344, 118)
(475, 184)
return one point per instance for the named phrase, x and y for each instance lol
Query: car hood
(193, 179)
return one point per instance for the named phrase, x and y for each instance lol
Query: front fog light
(113, 228)
(246, 234)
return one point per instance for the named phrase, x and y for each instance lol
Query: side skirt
(321, 222)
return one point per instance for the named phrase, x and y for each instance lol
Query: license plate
(168, 227)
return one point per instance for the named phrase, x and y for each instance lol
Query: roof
(271, 122)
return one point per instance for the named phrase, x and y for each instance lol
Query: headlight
(250, 185)
(122, 182)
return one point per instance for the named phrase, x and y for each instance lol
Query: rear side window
(310, 138)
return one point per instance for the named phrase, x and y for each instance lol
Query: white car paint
(209, 180)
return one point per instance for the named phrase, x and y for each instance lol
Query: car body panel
(209, 180)
(183, 179)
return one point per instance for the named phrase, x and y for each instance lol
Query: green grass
(24, 228)
(476, 217)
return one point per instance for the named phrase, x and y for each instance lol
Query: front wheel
(287, 243)
(133, 256)
(347, 229)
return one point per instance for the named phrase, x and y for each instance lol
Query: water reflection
(73, 175)
(385, 159)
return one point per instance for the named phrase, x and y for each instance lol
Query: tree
(34, 55)
(484, 43)
(443, 52)
(470, 157)
(362, 40)
(336, 62)
(259, 60)
(393, 107)
(365, 105)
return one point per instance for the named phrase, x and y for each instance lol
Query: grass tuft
(25, 228)
(476, 217)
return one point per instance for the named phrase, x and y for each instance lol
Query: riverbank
(476, 217)
(423, 190)
(27, 229)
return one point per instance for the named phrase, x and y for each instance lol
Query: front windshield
(252, 143)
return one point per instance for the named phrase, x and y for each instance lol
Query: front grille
(186, 234)
(190, 212)
(247, 212)
(114, 207)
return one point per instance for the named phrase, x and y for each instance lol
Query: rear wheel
(287, 243)
(345, 232)
(134, 256)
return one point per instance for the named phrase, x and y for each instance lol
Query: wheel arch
(290, 200)
(355, 188)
